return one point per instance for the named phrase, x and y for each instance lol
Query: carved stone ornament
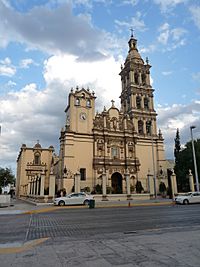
(68, 173)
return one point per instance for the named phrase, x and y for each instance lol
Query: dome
(37, 145)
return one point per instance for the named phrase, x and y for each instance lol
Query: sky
(48, 47)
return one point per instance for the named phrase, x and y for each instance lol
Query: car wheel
(86, 202)
(185, 201)
(61, 203)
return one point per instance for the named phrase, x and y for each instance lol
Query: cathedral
(108, 149)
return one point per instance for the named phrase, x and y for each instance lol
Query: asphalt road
(153, 236)
(81, 224)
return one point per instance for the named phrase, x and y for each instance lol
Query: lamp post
(154, 169)
(194, 158)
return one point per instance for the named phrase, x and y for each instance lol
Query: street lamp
(194, 158)
(153, 161)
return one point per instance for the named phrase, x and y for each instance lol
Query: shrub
(132, 188)
(162, 188)
(108, 190)
(139, 187)
(98, 189)
(86, 189)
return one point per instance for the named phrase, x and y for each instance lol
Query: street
(123, 236)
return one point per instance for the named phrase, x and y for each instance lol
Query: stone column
(131, 76)
(191, 181)
(95, 148)
(42, 185)
(151, 184)
(140, 77)
(128, 189)
(104, 182)
(29, 188)
(133, 100)
(105, 149)
(148, 78)
(173, 184)
(77, 178)
(52, 180)
(36, 186)
(142, 102)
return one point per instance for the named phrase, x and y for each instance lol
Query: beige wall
(26, 156)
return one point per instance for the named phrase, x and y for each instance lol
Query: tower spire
(131, 29)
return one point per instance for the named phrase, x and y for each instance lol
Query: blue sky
(47, 47)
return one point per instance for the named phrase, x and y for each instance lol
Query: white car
(73, 199)
(191, 197)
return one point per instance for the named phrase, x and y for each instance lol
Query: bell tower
(137, 93)
(80, 111)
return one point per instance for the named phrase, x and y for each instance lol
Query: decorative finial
(121, 67)
(104, 108)
(131, 29)
(88, 89)
(147, 60)
(113, 102)
(160, 134)
(72, 90)
(77, 88)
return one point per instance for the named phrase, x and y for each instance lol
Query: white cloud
(6, 67)
(11, 83)
(168, 5)
(196, 76)
(136, 23)
(195, 11)
(148, 49)
(177, 116)
(101, 76)
(25, 63)
(166, 73)
(172, 38)
(129, 2)
(53, 30)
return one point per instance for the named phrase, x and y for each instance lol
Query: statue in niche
(136, 77)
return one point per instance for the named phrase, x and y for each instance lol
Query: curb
(54, 208)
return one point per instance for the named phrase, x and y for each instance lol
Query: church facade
(116, 145)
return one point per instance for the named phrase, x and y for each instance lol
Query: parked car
(73, 199)
(191, 197)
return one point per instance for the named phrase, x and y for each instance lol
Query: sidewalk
(19, 206)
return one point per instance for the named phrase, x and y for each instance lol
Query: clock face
(83, 116)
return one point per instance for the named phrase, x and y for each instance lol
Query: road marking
(20, 247)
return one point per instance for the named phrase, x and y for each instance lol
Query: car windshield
(188, 194)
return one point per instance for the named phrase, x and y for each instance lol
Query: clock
(83, 116)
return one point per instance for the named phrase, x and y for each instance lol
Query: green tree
(177, 146)
(185, 163)
(6, 176)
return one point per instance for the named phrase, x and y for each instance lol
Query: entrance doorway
(116, 184)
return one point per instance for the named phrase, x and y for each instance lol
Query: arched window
(148, 127)
(114, 152)
(140, 127)
(136, 77)
(88, 103)
(143, 78)
(146, 103)
(77, 102)
(37, 159)
(138, 102)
